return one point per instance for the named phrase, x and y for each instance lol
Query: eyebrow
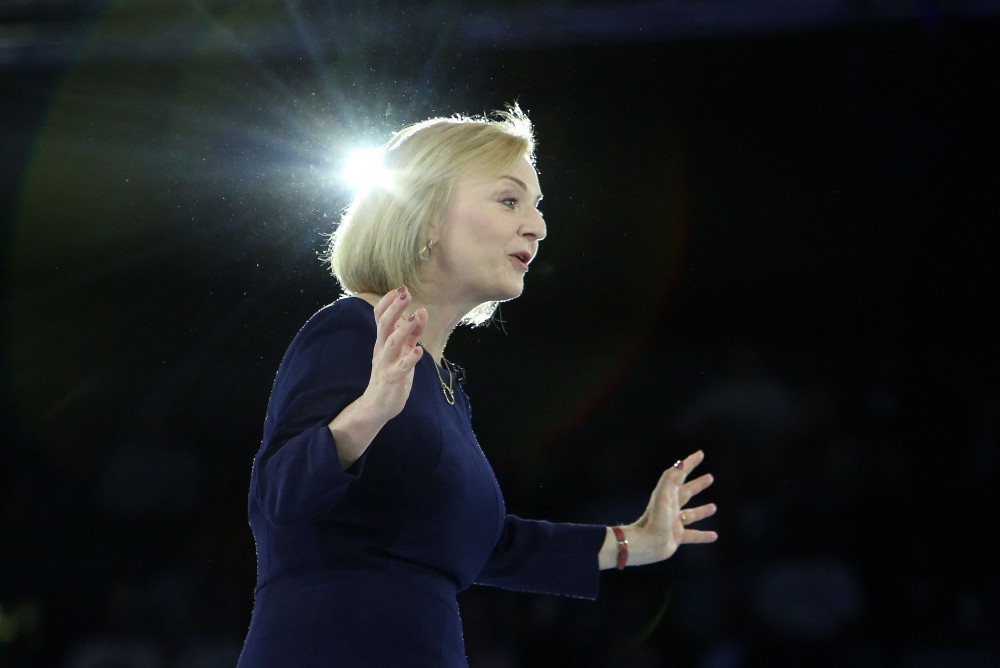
(523, 185)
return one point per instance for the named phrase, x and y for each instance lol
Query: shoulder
(343, 329)
(346, 315)
(345, 310)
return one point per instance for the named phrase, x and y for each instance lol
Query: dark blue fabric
(360, 568)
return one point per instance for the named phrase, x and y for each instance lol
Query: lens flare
(363, 170)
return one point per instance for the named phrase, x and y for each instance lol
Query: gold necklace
(447, 390)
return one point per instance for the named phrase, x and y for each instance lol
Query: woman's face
(490, 235)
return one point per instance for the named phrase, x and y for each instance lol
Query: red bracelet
(622, 547)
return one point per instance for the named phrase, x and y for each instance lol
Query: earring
(425, 252)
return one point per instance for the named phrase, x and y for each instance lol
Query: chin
(513, 292)
(503, 292)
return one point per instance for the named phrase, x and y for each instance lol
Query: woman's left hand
(665, 525)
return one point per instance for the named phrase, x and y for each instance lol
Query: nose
(533, 228)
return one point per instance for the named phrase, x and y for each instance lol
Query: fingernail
(679, 464)
(401, 292)
(413, 316)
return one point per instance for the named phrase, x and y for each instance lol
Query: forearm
(354, 429)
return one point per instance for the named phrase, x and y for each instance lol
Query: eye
(509, 202)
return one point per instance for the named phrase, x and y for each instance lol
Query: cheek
(477, 227)
(477, 234)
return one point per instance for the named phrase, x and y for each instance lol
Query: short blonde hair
(377, 244)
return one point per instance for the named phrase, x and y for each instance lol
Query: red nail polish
(413, 316)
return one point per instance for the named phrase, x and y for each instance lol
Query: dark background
(771, 235)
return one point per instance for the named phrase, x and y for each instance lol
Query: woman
(371, 502)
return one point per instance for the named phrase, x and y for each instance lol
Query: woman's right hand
(395, 355)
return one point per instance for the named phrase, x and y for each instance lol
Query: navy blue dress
(361, 567)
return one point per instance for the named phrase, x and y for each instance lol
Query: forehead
(516, 173)
(526, 172)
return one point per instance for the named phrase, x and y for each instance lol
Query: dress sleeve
(297, 474)
(546, 558)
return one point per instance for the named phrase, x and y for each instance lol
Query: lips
(523, 256)
(521, 259)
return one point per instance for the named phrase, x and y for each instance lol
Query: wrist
(621, 545)
(613, 551)
(353, 429)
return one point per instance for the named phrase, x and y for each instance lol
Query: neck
(442, 319)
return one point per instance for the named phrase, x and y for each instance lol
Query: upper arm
(297, 471)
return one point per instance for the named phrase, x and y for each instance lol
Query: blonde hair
(377, 244)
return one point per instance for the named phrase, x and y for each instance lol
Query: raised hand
(667, 518)
(665, 525)
(394, 357)
(396, 353)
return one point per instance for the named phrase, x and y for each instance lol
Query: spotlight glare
(363, 169)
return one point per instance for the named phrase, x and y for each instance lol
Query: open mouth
(523, 257)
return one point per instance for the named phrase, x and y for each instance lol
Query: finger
(415, 327)
(697, 536)
(695, 487)
(691, 515)
(383, 303)
(393, 362)
(668, 486)
(684, 467)
(398, 300)
(402, 348)
(691, 462)
(396, 343)
(674, 478)
(409, 358)
(404, 340)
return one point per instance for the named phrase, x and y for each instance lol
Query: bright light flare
(363, 170)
